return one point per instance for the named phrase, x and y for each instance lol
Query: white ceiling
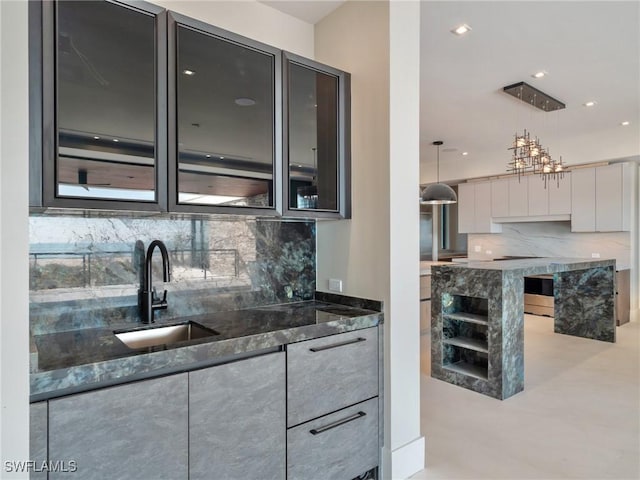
(591, 51)
(310, 11)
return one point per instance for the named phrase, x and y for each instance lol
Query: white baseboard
(407, 460)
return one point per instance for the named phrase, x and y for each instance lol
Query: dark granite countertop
(533, 266)
(69, 362)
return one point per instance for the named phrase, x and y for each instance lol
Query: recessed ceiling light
(221, 158)
(461, 29)
(188, 72)
(208, 156)
(96, 137)
(245, 101)
(116, 140)
(625, 123)
(465, 153)
(590, 103)
(539, 74)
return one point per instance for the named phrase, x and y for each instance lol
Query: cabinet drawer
(425, 287)
(538, 310)
(539, 300)
(425, 316)
(340, 445)
(330, 373)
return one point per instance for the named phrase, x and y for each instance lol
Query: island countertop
(79, 360)
(533, 266)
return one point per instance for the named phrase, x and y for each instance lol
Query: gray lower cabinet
(237, 420)
(330, 373)
(38, 439)
(332, 406)
(342, 445)
(133, 431)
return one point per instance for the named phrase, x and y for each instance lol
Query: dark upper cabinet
(224, 118)
(316, 143)
(98, 105)
(136, 108)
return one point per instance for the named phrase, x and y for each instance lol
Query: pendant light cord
(437, 143)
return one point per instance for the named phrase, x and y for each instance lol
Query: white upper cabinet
(474, 208)
(527, 199)
(554, 198)
(601, 198)
(466, 207)
(518, 203)
(538, 196)
(583, 200)
(500, 198)
(560, 195)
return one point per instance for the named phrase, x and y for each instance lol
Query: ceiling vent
(534, 97)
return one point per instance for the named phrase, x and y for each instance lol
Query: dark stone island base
(477, 316)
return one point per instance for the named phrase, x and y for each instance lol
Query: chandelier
(530, 156)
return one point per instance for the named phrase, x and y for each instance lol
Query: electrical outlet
(477, 248)
(335, 285)
(488, 252)
(595, 255)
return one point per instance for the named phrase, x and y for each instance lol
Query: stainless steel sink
(163, 335)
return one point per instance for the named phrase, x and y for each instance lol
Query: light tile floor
(577, 418)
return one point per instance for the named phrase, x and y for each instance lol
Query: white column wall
(376, 253)
(14, 237)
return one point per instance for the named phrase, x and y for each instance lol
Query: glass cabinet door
(104, 104)
(224, 112)
(316, 132)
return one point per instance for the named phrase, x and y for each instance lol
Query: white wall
(14, 267)
(251, 19)
(376, 253)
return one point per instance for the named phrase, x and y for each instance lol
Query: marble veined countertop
(70, 362)
(536, 266)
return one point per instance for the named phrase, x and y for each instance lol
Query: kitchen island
(477, 323)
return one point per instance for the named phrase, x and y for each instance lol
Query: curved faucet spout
(166, 271)
(149, 302)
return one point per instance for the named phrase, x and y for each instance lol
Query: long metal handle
(316, 431)
(340, 344)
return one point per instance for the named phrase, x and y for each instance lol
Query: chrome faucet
(148, 301)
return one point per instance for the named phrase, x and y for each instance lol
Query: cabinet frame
(344, 139)
(43, 108)
(173, 21)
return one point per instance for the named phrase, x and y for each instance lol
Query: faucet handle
(156, 303)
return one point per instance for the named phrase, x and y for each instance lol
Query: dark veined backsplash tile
(85, 272)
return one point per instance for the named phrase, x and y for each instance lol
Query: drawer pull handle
(340, 344)
(316, 431)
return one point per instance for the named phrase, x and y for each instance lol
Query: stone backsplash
(86, 272)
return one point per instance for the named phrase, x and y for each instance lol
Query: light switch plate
(335, 285)
(595, 255)
(477, 248)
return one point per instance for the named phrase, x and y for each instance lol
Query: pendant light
(438, 193)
